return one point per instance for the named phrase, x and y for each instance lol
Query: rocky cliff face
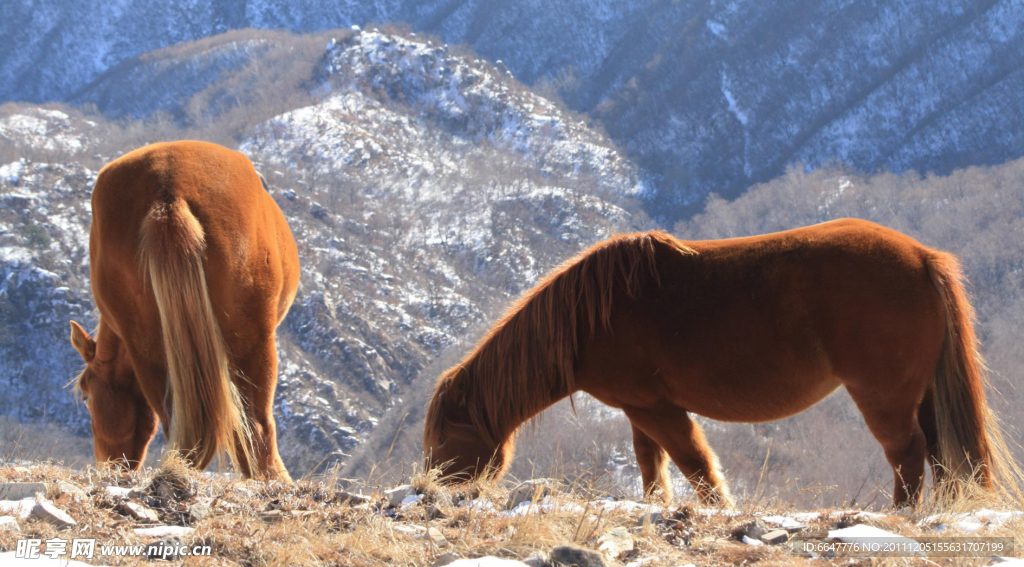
(425, 189)
(708, 96)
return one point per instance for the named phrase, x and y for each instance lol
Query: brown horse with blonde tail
(193, 267)
(739, 330)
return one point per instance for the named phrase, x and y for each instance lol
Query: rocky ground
(334, 521)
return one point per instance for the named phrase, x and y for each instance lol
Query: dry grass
(314, 523)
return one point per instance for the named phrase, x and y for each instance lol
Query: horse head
(456, 438)
(121, 426)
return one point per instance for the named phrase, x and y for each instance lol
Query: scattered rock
(398, 494)
(775, 537)
(21, 490)
(444, 559)
(343, 497)
(530, 490)
(161, 531)
(569, 555)
(118, 491)
(137, 494)
(435, 513)
(615, 542)
(73, 492)
(161, 548)
(411, 500)
(19, 508)
(46, 511)
(650, 518)
(409, 530)
(537, 559)
(751, 541)
(753, 530)
(436, 538)
(138, 511)
(199, 511)
(9, 523)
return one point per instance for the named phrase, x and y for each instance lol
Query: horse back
(775, 322)
(251, 261)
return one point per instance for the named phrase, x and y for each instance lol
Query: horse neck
(511, 379)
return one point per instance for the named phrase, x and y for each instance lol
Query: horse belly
(763, 398)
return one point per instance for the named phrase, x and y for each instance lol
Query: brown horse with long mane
(740, 330)
(193, 267)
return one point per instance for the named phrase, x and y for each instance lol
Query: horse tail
(206, 411)
(970, 447)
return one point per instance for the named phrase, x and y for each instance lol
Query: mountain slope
(424, 189)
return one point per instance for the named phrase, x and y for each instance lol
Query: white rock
(46, 511)
(162, 531)
(478, 504)
(436, 537)
(76, 493)
(409, 529)
(9, 523)
(615, 542)
(411, 500)
(18, 508)
(529, 490)
(139, 512)
(751, 541)
(398, 494)
(118, 491)
(21, 490)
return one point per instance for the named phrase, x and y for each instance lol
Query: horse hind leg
(894, 423)
(257, 385)
(683, 439)
(929, 426)
(653, 463)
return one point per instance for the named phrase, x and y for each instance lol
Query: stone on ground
(21, 490)
(615, 542)
(436, 537)
(531, 490)
(569, 555)
(46, 511)
(398, 494)
(775, 537)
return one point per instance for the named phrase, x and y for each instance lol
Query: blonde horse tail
(205, 409)
(971, 448)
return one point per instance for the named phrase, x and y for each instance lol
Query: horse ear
(82, 342)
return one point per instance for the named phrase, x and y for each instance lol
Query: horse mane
(526, 361)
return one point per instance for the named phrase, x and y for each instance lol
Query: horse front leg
(683, 439)
(653, 463)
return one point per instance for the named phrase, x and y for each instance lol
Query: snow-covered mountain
(708, 96)
(425, 189)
